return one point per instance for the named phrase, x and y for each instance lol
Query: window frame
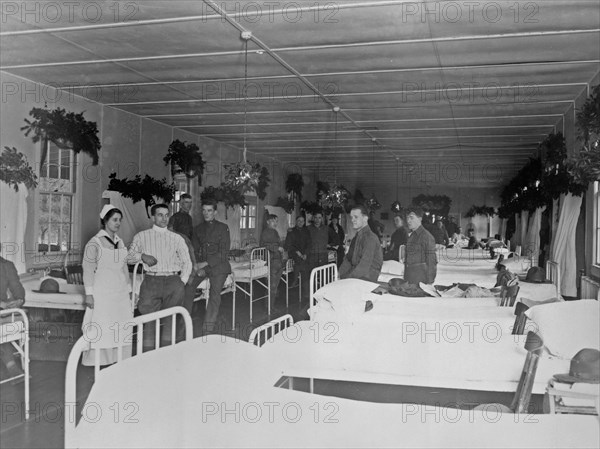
(49, 257)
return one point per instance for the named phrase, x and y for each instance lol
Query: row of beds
(313, 357)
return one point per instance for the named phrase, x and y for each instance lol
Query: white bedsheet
(242, 271)
(457, 355)
(174, 398)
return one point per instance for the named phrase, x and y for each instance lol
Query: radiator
(590, 288)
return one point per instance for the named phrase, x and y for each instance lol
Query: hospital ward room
(300, 224)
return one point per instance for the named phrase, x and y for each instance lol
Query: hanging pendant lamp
(337, 195)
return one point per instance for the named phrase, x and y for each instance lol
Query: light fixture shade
(396, 206)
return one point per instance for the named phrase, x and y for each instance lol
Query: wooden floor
(44, 429)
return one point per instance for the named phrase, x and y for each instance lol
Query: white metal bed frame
(83, 345)
(267, 331)
(20, 341)
(257, 254)
(285, 278)
(320, 277)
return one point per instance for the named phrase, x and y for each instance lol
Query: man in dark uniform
(399, 238)
(269, 238)
(439, 234)
(320, 237)
(364, 258)
(181, 222)
(297, 244)
(421, 260)
(451, 227)
(211, 242)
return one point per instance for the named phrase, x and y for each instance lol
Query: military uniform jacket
(420, 250)
(319, 238)
(182, 223)
(269, 238)
(298, 239)
(211, 243)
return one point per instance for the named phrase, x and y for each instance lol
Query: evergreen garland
(484, 210)
(185, 156)
(438, 205)
(15, 169)
(286, 204)
(64, 129)
(225, 194)
(146, 189)
(295, 183)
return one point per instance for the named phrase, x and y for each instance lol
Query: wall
(131, 145)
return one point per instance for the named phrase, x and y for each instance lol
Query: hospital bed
(83, 344)
(14, 332)
(245, 275)
(244, 408)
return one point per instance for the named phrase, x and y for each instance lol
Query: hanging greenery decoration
(146, 189)
(311, 207)
(484, 210)
(286, 204)
(225, 194)
(322, 190)
(248, 177)
(588, 118)
(372, 204)
(294, 184)
(335, 198)
(185, 156)
(396, 207)
(438, 205)
(585, 166)
(65, 129)
(523, 192)
(15, 169)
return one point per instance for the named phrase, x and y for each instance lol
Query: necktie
(116, 245)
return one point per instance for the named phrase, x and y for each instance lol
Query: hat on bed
(49, 286)
(536, 275)
(585, 367)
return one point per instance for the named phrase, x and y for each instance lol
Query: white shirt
(167, 247)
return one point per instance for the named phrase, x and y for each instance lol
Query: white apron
(107, 325)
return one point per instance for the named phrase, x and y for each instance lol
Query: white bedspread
(457, 355)
(196, 394)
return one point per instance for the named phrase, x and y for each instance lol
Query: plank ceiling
(476, 84)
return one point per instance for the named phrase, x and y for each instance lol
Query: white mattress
(460, 354)
(243, 271)
(173, 398)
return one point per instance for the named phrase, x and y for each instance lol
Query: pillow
(568, 326)
(393, 267)
(346, 291)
